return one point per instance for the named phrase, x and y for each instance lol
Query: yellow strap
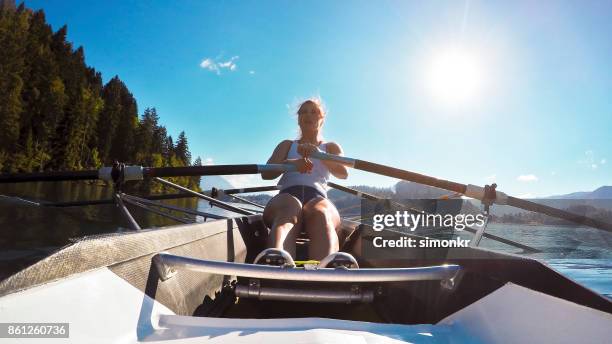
(304, 262)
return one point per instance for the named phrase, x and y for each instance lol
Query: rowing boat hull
(108, 289)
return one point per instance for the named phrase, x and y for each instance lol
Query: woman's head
(311, 115)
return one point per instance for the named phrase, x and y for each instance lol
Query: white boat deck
(300, 330)
(103, 308)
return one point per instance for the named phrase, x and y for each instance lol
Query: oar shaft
(409, 176)
(138, 173)
(461, 188)
(252, 189)
(214, 170)
(392, 172)
(48, 176)
(209, 170)
(554, 212)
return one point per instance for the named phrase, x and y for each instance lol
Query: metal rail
(214, 201)
(155, 211)
(256, 291)
(167, 265)
(171, 207)
(126, 213)
(111, 201)
(247, 201)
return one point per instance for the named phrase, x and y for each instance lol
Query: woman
(302, 203)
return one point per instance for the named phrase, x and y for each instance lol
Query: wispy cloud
(527, 178)
(217, 67)
(591, 161)
(208, 161)
(491, 178)
(207, 64)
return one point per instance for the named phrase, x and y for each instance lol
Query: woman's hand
(337, 169)
(303, 165)
(306, 149)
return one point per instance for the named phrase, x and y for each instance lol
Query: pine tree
(13, 29)
(43, 96)
(55, 113)
(145, 136)
(109, 118)
(122, 148)
(168, 150)
(195, 180)
(182, 150)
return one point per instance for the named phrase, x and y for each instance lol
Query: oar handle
(331, 157)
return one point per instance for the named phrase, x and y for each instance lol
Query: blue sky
(508, 91)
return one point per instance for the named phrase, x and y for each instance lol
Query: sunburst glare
(455, 77)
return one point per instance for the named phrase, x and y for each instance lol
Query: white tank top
(317, 178)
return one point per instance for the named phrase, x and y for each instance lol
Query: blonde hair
(318, 102)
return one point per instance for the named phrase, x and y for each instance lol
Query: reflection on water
(581, 253)
(29, 232)
(555, 242)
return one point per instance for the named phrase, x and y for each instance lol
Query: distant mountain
(599, 198)
(409, 190)
(604, 192)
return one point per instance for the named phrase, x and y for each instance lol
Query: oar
(468, 229)
(251, 189)
(469, 190)
(139, 172)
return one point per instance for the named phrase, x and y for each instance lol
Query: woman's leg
(283, 215)
(320, 220)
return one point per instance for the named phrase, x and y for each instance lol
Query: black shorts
(303, 193)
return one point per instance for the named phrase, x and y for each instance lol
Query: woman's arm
(336, 169)
(279, 156)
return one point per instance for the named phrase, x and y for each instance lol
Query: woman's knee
(320, 208)
(282, 207)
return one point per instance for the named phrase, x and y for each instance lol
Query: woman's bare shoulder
(333, 148)
(283, 146)
(284, 143)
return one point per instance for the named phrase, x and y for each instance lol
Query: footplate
(168, 263)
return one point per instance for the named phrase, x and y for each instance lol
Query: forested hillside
(56, 113)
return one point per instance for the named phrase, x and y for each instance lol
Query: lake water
(583, 254)
(29, 232)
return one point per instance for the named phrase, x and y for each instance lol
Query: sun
(455, 77)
